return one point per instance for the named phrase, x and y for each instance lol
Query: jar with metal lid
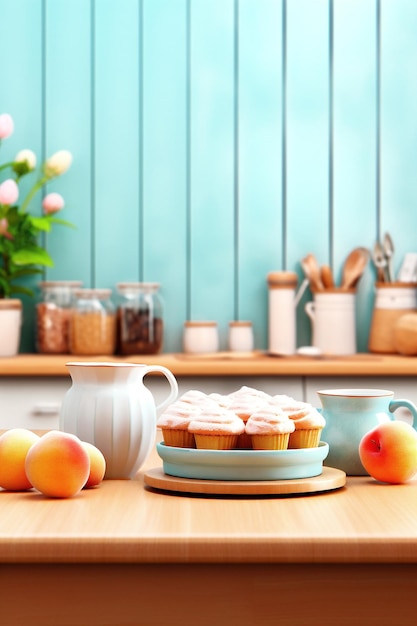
(53, 315)
(139, 319)
(93, 323)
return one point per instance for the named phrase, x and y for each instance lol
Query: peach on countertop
(97, 465)
(14, 446)
(58, 465)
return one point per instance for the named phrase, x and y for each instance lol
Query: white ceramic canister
(109, 406)
(392, 301)
(333, 320)
(200, 337)
(10, 326)
(282, 306)
(240, 336)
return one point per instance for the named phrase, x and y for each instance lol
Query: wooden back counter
(227, 364)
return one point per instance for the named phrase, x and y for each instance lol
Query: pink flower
(9, 192)
(4, 225)
(52, 203)
(6, 125)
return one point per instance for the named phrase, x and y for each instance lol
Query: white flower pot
(10, 326)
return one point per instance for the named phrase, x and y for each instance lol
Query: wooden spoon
(354, 266)
(327, 276)
(311, 270)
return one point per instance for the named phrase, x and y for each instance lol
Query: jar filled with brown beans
(53, 316)
(139, 319)
(93, 323)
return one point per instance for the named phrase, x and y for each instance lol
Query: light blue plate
(243, 464)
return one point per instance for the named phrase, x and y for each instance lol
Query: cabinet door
(31, 402)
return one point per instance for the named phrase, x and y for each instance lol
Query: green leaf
(32, 256)
(58, 220)
(16, 289)
(41, 223)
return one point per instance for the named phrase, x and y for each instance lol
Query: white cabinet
(35, 402)
(32, 402)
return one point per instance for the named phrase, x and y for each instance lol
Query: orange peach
(58, 465)
(389, 452)
(97, 465)
(14, 446)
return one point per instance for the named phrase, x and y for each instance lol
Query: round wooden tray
(330, 478)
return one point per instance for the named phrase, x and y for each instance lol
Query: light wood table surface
(123, 554)
(226, 364)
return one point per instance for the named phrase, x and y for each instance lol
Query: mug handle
(172, 383)
(396, 404)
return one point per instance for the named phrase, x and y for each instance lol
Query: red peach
(97, 465)
(389, 452)
(14, 446)
(58, 465)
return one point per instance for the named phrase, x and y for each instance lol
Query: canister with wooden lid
(282, 303)
(392, 301)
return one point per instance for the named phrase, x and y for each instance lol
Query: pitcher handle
(172, 382)
(309, 309)
(396, 404)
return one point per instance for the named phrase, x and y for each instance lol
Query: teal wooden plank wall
(217, 140)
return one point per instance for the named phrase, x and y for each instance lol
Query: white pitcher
(109, 406)
(332, 316)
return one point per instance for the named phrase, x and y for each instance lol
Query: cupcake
(216, 429)
(174, 424)
(244, 408)
(308, 424)
(269, 429)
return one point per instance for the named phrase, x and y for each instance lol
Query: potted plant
(21, 254)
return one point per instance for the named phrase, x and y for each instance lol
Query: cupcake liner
(215, 442)
(270, 442)
(178, 438)
(305, 438)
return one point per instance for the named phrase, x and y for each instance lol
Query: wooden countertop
(124, 522)
(227, 364)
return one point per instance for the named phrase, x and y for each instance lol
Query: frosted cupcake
(244, 408)
(174, 424)
(216, 429)
(308, 424)
(269, 429)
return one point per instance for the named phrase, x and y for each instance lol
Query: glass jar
(140, 319)
(93, 323)
(53, 316)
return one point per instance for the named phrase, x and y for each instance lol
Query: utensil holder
(392, 301)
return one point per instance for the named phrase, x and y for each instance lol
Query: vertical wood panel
(212, 161)
(355, 141)
(21, 51)
(116, 150)
(260, 217)
(399, 124)
(206, 181)
(165, 159)
(68, 126)
(307, 199)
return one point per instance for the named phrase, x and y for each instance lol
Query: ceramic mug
(349, 415)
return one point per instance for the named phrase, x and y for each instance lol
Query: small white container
(240, 336)
(200, 337)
